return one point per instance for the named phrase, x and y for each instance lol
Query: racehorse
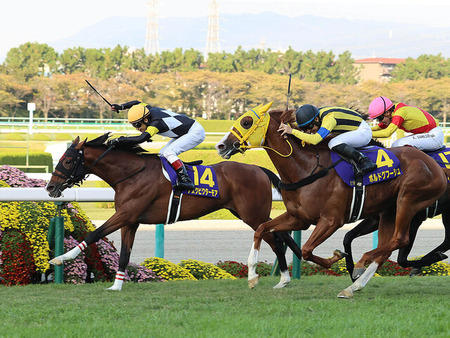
(324, 199)
(142, 195)
(370, 225)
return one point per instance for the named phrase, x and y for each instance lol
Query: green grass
(388, 306)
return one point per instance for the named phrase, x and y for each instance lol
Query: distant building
(376, 69)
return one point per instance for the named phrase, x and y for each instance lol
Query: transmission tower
(152, 38)
(212, 40)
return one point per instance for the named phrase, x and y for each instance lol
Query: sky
(45, 21)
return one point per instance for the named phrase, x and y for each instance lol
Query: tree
(424, 67)
(31, 59)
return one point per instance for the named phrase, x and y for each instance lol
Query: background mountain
(363, 38)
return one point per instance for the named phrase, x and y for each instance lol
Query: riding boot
(361, 162)
(183, 180)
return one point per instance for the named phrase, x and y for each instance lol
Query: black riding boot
(183, 180)
(361, 163)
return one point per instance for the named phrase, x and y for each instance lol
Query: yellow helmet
(138, 112)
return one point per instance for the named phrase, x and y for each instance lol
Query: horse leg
(115, 222)
(364, 227)
(324, 229)
(286, 223)
(275, 240)
(436, 254)
(128, 234)
(385, 231)
(403, 253)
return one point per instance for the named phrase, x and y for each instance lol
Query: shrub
(234, 268)
(240, 270)
(141, 274)
(202, 270)
(167, 269)
(75, 270)
(17, 259)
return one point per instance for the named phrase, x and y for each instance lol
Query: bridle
(260, 127)
(78, 172)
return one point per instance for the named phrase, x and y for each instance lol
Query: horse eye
(246, 124)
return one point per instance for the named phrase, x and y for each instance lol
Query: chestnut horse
(324, 199)
(370, 225)
(142, 195)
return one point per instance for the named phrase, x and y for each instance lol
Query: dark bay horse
(142, 195)
(326, 201)
(370, 225)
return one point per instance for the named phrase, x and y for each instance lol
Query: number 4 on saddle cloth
(388, 166)
(204, 178)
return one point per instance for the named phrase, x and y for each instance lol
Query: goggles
(137, 124)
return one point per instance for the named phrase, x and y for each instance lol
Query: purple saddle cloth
(388, 166)
(204, 178)
(441, 156)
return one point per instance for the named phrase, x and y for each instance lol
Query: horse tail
(274, 179)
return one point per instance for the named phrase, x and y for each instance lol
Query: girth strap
(358, 198)
(174, 206)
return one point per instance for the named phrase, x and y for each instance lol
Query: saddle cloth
(388, 166)
(204, 178)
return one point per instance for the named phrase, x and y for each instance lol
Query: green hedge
(34, 158)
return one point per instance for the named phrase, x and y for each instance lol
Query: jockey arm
(328, 124)
(379, 132)
(130, 140)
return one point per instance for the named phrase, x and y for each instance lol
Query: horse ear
(265, 108)
(77, 140)
(81, 144)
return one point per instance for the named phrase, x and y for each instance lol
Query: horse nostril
(220, 146)
(50, 188)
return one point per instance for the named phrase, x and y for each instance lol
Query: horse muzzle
(54, 189)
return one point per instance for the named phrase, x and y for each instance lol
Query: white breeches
(176, 146)
(355, 138)
(432, 140)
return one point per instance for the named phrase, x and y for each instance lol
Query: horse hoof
(415, 272)
(441, 255)
(114, 288)
(56, 261)
(357, 272)
(252, 282)
(281, 285)
(340, 254)
(345, 294)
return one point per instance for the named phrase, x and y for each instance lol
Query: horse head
(249, 131)
(70, 169)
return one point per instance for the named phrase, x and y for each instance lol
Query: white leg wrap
(71, 254)
(252, 262)
(118, 282)
(360, 282)
(284, 280)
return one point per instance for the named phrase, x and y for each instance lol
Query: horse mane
(286, 116)
(100, 142)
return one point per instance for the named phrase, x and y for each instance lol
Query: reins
(310, 179)
(73, 179)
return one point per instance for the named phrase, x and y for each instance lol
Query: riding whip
(288, 93)
(95, 90)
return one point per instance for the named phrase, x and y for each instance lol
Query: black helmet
(306, 114)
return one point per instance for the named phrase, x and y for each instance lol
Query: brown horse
(325, 200)
(142, 195)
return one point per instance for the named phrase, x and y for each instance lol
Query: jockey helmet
(306, 114)
(379, 106)
(138, 112)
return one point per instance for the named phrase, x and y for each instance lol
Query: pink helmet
(378, 106)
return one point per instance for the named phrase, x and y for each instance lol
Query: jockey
(427, 135)
(348, 125)
(185, 132)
